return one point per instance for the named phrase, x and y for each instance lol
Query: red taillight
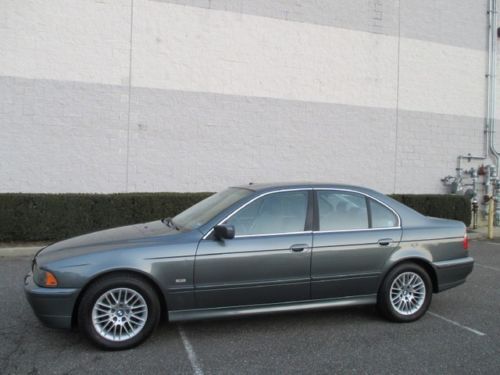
(466, 242)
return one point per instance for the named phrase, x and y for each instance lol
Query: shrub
(42, 217)
(50, 217)
(448, 206)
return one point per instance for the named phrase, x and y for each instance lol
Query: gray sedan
(248, 250)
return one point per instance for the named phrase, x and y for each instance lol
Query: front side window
(282, 212)
(339, 210)
(202, 212)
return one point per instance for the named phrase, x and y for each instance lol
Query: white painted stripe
(186, 48)
(479, 333)
(78, 40)
(441, 79)
(195, 49)
(245, 55)
(190, 352)
(487, 267)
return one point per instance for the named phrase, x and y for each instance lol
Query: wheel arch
(125, 271)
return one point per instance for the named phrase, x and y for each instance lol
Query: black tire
(129, 283)
(388, 309)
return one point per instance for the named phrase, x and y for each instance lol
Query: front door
(269, 259)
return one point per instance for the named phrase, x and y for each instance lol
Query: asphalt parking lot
(460, 335)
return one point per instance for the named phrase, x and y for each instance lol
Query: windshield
(202, 212)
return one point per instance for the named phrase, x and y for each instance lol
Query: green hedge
(49, 217)
(449, 206)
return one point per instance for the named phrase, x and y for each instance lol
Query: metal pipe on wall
(489, 149)
(489, 129)
(491, 108)
(492, 57)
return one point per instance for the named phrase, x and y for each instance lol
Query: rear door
(354, 236)
(269, 259)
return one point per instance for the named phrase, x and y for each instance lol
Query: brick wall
(194, 95)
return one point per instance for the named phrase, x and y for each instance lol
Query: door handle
(384, 241)
(299, 247)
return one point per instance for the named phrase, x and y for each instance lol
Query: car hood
(136, 235)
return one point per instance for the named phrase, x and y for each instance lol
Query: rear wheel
(119, 312)
(405, 294)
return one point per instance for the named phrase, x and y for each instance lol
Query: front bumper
(53, 306)
(451, 273)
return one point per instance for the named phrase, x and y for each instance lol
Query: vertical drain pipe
(490, 121)
(489, 127)
(492, 48)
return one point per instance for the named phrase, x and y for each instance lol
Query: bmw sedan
(248, 250)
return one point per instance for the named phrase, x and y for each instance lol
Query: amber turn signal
(50, 280)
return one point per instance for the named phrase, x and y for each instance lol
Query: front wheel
(119, 312)
(405, 294)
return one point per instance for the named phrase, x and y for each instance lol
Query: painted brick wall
(195, 95)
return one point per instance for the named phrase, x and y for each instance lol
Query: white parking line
(488, 267)
(479, 333)
(190, 352)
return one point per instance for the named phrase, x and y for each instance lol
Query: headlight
(44, 278)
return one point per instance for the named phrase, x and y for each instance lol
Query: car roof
(260, 187)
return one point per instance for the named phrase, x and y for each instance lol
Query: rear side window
(382, 217)
(339, 210)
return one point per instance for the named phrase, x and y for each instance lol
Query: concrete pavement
(459, 335)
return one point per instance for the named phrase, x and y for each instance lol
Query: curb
(19, 251)
(477, 236)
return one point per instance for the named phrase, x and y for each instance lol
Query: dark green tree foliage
(50, 217)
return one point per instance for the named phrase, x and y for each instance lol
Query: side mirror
(224, 231)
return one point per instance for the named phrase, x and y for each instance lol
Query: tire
(119, 312)
(405, 293)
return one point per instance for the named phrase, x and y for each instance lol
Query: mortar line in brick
(397, 101)
(129, 96)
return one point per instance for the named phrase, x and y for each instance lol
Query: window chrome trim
(313, 231)
(366, 195)
(250, 201)
(354, 230)
(274, 234)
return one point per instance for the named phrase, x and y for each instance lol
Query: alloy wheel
(119, 314)
(407, 293)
